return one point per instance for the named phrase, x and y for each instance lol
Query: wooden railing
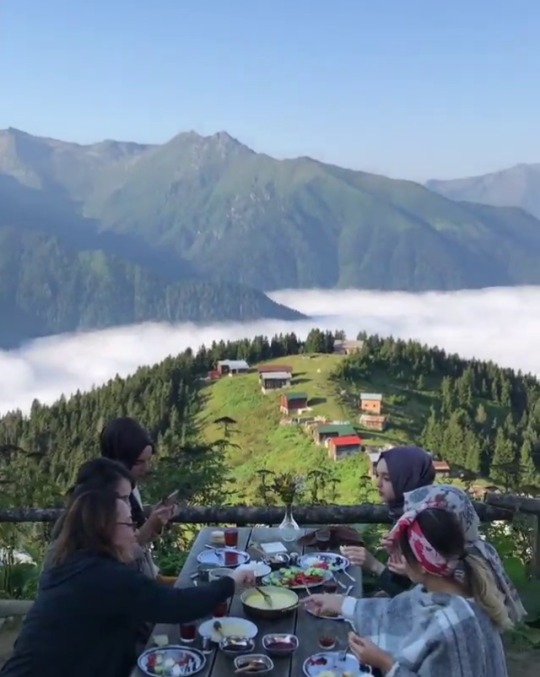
(495, 507)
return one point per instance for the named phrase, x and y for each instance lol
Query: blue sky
(411, 88)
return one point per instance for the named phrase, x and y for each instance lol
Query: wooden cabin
(293, 403)
(340, 447)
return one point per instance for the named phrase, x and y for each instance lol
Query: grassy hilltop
(264, 443)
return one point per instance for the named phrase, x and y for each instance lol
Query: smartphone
(171, 498)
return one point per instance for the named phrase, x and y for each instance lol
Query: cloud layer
(498, 324)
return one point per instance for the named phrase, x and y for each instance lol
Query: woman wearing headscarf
(124, 440)
(456, 501)
(449, 624)
(399, 470)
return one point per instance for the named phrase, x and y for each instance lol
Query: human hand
(243, 578)
(160, 515)
(369, 653)
(361, 557)
(324, 604)
(397, 564)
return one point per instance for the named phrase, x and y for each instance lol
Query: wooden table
(306, 627)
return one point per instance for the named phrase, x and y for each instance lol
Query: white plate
(335, 561)
(259, 568)
(197, 661)
(333, 665)
(223, 557)
(231, 627)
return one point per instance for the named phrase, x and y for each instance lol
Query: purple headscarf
(409, 468)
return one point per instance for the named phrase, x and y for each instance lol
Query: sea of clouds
(499, 324)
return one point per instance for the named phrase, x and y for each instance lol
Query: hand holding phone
(171, 499)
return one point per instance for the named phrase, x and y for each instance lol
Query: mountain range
(198, 228)
(517, 186)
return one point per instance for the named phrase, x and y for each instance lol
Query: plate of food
(297, 578)
(334, 664)
(327, 616)
(171, 661)
(223, 557)
(229, 626)
(325, 560)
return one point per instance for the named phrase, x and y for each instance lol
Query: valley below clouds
(499, 324)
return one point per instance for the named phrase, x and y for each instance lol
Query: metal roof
(276, 376)
(268, 368)
(296, 396)
(233, 364)
(338, 428)
(346, 441)
(371, 396)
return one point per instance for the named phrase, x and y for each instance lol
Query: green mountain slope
(514, 187)
(228, 213)
(47, 288)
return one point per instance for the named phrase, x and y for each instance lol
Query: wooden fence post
(535, 562)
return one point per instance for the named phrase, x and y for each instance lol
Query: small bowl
(266, 663)
(235, 646)
(280, 644)
(259, 569)
(219, 572)
(278, 561)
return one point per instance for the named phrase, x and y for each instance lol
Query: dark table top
(306, 627)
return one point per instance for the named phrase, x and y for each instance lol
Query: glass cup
(188, 632)
(231, 558)
(327, 641)
(323, 540)
(221, 609)
(231, 537)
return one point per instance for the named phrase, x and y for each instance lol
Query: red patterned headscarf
(429, 558)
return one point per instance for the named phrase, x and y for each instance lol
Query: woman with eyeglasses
(90, 603)
(99, 473)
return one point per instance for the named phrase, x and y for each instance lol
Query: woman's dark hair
(89, 524)
(443, 531)
(95, 475)
(124, 439)
(101, 473)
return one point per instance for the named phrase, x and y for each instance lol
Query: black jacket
(393, 584)
(84, 621)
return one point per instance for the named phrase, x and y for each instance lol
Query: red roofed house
(293, 403)
(339, 447)
(442, 469)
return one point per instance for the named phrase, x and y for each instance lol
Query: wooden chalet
(442, 469)
(326, 431)
(275, 380)
(232, 367)
(340, 447)
(371, 403)
(373, 422)
(293, 403)
(347, 347)
(271, 368)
